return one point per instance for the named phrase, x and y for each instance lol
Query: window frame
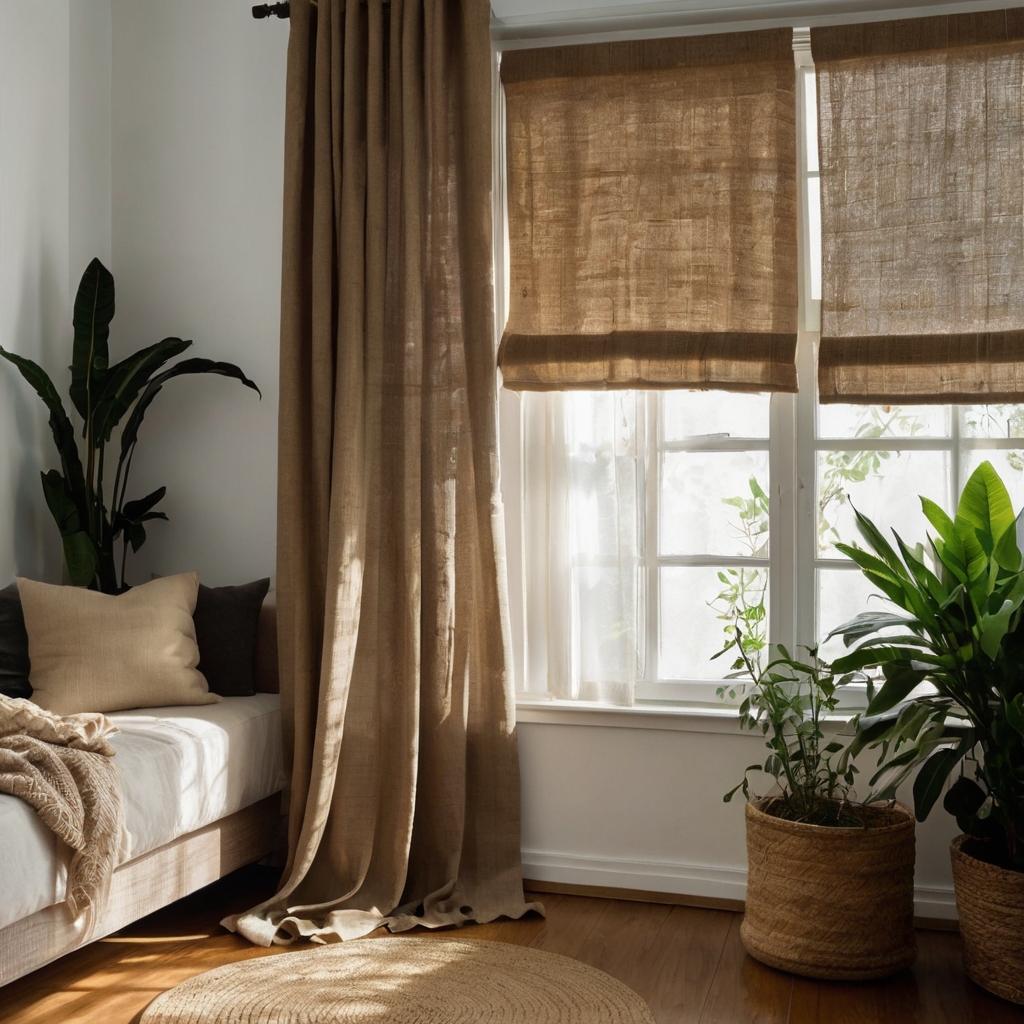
(793, 444)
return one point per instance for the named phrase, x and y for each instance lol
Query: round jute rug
(403, 981)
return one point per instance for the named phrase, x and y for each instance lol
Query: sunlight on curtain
(585, 487)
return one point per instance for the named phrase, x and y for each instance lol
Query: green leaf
(866, 623)
(928, 583)
(62, 508)
(1006, 553)
(947, 531)
(1015, 712)
(985, 503)
(134, 511)
(81, 558)
(94, 309)
(879, 544)
(956, 567)
(932, 777)
(901, 678)
(964, 798)
(136, 533)
(877, 573)
(868, 655)
(984, 514)
(994, 628)
(124, 382)
(60, 426)
(131, 429)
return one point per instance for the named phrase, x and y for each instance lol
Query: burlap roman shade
(921, 130)
(652, 214)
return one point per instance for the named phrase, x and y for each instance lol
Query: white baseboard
(937, 903)
(650, 876)
(684, 879)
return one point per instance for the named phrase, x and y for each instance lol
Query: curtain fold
(399, 716)
(921, 144)
(652, 214)
(583, 495)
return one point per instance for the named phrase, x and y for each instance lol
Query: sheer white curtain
(584, 516)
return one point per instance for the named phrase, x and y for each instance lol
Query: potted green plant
(830, 881)
(89, 519)
(952, 701)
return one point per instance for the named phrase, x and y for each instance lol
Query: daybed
(202, 796)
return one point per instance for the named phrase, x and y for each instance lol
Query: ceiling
(533, 22)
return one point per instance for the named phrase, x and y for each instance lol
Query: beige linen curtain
(652, 214)
(921, 137)
(399, 716)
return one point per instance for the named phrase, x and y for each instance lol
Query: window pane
(1008, 463)
(993, 420)
(842, 594)
(714, 503)
(598, 419)
(882, 485)
(699, 608)
(699, 413)
(605, 627)
(604, 473)
(883, 421)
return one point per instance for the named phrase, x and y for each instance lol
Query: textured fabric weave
(14, 663)
(921, 139)
(62, 769)
(652, 214)
(101, 652)
(226, 621)
(398, 709)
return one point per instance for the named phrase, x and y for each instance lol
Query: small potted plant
(830, 882)
(952, 701)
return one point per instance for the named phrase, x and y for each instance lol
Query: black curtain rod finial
(272, 10)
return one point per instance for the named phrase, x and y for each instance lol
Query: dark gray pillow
(14, 663)
(226, 620)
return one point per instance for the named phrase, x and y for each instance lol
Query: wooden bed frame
(146, 884)
(165, 874)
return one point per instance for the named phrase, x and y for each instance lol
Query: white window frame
(793, 449)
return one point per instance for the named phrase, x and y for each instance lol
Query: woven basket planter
(990, 903)
(834, 903)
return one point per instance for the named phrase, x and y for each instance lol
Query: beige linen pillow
(96, 652)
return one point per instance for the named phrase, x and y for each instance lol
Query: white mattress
(181, 768)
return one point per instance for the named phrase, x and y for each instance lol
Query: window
(645, 526)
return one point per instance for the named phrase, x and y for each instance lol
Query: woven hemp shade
(921, 139)
(652, 214)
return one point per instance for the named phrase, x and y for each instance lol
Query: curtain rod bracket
(272, 10)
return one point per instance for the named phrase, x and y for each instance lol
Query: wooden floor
(687, 963)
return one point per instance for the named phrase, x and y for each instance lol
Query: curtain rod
(277, 10)
(272, 10)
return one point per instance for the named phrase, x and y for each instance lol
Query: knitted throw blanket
(61, 767)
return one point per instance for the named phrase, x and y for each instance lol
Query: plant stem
(124, 557)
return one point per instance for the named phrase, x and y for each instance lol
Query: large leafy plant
(89, 518)
(788, 700)
(952, 662)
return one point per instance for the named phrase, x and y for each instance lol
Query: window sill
(662, 717)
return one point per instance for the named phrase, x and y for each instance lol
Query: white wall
(197, 157)
(35, 225)
(194, 234)
(639, 806)
(89, 219)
